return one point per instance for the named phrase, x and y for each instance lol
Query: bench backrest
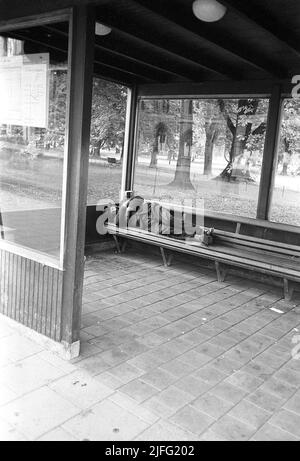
(255, 233)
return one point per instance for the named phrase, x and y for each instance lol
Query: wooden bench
(229, 249)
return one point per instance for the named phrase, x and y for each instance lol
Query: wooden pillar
(129, 141)
(270, 154)
(82, 38)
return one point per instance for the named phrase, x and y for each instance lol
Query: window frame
(64, 15)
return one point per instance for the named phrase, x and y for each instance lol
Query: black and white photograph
(150, 223)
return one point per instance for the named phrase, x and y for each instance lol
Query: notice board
(24, 90)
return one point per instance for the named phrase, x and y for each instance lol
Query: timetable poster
(24, 90)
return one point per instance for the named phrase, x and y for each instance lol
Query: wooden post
(270, 154)
(82, 38)
(129, 141)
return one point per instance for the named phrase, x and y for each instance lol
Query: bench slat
(254, 242)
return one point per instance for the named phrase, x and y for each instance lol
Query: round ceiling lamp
(209, 10)
(102, 30)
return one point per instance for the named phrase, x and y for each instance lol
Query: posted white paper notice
(24, 90)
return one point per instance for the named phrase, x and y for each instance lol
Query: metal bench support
(288, 290)
(221, 272)
(167, 259)
(118, 248)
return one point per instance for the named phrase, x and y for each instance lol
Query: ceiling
(161, 41)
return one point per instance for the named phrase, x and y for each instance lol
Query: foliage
(108, 115)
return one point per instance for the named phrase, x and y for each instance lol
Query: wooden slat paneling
(31, 293)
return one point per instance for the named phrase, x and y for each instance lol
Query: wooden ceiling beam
(209, 37)
(115, 52)
(127, 25)
(258, 19)
(122, 72)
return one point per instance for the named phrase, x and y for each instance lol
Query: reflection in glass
(202, 150)
(33, 93)
(107, 140)
(286, 193)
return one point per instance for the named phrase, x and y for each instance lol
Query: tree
(182, 177)
(160, 137)
(290, 135)
(208, 124)
(244, 128)
(108, 115)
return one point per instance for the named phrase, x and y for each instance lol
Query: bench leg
(124, 245)
(118, 248)
(221, 272)
(288, 290)
(167, 260)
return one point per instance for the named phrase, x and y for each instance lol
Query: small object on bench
(113, 161)
(204, 236)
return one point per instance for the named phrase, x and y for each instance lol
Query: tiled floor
(167, 354)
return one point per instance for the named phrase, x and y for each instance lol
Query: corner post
(270, 154)
(129, 141)
(81, 58)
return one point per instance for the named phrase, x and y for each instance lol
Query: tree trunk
(154, 153)
(212, 134)
(182, 178)
(241, 134)
(286, 157)
(208, 156)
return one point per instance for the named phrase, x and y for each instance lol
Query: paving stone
(293, 404)
(229, 392)
(265, 400)
(232, 429)
(192, 420)
(279, 388)
(193, 386)
(106, 421)
(211, 405)
(29, 374)
(131, 405)
(81, 389)
(17, 347)
(57, 435)
(6, 395)
(177, 368)
(39, 412)
(9, 433)
(210, 374)
(245, 381)
(291, 377)
(173, 398)
(270, 433)
(250, 414)
(288, 421)
(195, 359)
(125, 372)
(158, 378)
(164, 431)
(139, 390)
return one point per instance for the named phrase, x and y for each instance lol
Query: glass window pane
(205, 150)
(33, 94)
(286, 194)
(107, 140)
